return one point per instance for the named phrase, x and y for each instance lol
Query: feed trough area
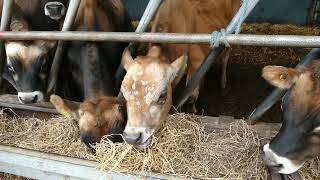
(189, 146)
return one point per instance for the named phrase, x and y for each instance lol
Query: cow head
(299, 137)
(147, 88)
(27, 64)
(97, 117)
(55, 9)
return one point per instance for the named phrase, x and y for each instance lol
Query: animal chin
(146, 144)
(55, 17)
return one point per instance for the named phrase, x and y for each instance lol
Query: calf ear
(280, 77)
(179, 67)
(68, 109)
(127, 59)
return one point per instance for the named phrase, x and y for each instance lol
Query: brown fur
(161, 68)
(96, 115)
(304, 84)
(192, 16)
(102, 113)
(94, 11)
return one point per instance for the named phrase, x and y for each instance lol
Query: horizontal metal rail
(240, 39)
(39, 165)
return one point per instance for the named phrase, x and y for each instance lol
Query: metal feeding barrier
(215, 39)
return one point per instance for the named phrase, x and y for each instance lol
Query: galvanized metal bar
(232, 39)
(68, 22)
(237, 20)
(148, 15)
(144, 22)
(277, 93)
(39, 165)
(5, 22)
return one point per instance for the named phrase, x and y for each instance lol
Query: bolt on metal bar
(5, 22)
(144, 22)
(237, 20)
(232, 39)
(277, 93)
(68, 22)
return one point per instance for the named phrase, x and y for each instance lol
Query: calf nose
(132, 138)
(271, 163)
(26, 99)
(269, 158)
(54, 8)
(87, 138)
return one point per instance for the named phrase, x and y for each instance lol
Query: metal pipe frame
(5, 22)
(233, 26)
(277, 93)
(232, 39)
(144, 22)
(68, 22)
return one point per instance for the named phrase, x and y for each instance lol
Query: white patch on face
(140, 73)
(155, 112)
(317, 130)
(17, 49)
(134, 86)
(15, 77)
(29, 96)
(288, 166)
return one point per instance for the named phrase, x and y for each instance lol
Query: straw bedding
(184, 148)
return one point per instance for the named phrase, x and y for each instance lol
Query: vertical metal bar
(145, 20)
(5, 22)
(238, 19)
(277, 93)
(68, 22)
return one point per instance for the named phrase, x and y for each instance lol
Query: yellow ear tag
(283, 76)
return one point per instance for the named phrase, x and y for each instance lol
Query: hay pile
(184, 148)
(57, 135)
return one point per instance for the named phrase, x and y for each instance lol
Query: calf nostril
(139, 138)
(278, 166)
(132, 138)
(35, 98)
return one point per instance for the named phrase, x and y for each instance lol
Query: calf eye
(162, 98)
(44, 66)
(11, 69)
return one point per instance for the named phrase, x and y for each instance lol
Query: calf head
(27, 65)
(147, 88)
(299, 137)
(97, 117)
(55, 9)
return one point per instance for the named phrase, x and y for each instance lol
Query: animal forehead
(25, 52)
(151, 71)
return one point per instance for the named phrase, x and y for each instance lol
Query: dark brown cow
(299, 136)
(87, 72)
(28, 62)
(150, 80)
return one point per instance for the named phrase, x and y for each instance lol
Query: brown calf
(88, 71)
(99, 116)
(147, 86)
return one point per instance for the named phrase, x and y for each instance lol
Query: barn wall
(273, 11)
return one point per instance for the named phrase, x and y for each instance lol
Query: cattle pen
(39, 165)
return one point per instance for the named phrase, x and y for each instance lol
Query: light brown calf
(97, 117)
(148, 84)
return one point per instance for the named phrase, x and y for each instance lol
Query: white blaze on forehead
(18, 49)
(288, 166)
(317, 130)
